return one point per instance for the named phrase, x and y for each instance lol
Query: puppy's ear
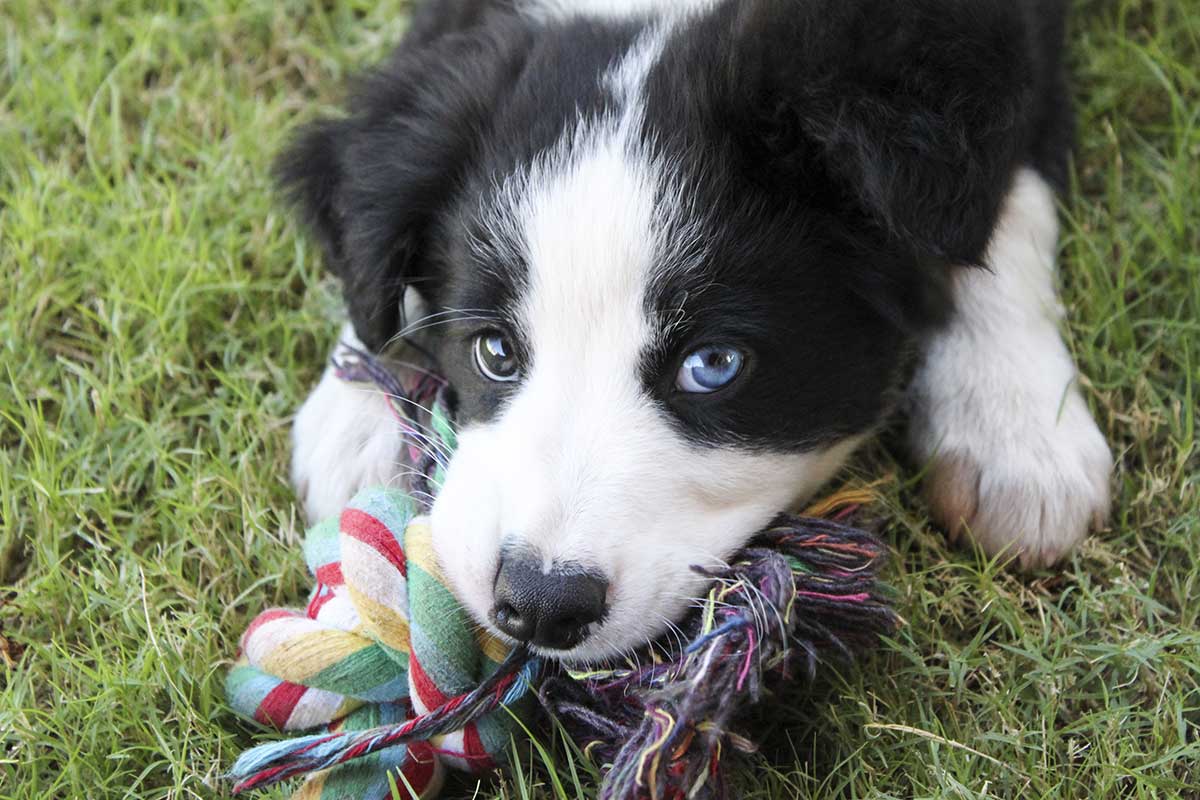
(310, 172)
(917, 108)
(370, 184)
(914, 113)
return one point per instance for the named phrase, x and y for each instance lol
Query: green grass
(160, 320)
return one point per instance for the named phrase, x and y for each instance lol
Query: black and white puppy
(678, 259)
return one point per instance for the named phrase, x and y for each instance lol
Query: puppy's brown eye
(496, 357)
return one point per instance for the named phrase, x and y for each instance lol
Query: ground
(160, 321)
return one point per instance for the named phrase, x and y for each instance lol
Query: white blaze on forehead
(590, 242)
(587, 220)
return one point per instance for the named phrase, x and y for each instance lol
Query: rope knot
(383, 659)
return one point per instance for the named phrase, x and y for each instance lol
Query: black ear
(370, 185)
(919, 109)
(910, 117)
(310, 172)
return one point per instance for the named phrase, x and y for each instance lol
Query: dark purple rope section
(804, 593)
(413, 402)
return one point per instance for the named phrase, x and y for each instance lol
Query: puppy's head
(670, 270)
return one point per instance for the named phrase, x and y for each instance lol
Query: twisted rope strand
(272, 763)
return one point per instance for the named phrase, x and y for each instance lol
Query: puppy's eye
(709, 369)
(496, 357)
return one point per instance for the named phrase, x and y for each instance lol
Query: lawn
(160, 320)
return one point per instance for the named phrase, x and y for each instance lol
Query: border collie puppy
(678, 258)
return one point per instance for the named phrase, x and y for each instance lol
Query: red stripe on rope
(258, 779)
(420, 769)
(264, 618)
(431, 696)
(318, 602)
(330, 574)
(370, 531)
(473, 750)
(278, 705)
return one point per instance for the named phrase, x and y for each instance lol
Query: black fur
(844, 155)
(371, 185)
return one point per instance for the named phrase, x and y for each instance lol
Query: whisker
(425, 410)
(675, 632)
(408, 329)
(414, 473)
(424, 431)
(431, 321)
(424, 445)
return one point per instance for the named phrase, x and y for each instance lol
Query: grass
(160, 320)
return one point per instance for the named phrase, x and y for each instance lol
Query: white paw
(1028, 486)
(1014, 457)
(343, 440)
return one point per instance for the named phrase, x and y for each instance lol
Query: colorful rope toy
(399, 682)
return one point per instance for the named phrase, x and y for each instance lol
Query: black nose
(550, 611)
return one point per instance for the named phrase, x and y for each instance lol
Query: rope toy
(400, 683)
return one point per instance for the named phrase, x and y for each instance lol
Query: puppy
(678, 258)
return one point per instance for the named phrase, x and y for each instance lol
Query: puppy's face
(670, 296)
(638, 392)
(653, 357)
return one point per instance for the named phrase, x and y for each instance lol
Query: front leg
(343, 440)
(1014, 457)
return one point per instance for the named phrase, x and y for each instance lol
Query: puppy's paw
(344, 439)
(1021, 480)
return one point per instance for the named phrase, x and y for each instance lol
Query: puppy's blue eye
(709, 369)
(496, 357)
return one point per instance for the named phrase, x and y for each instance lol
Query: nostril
(564, 632)
(505, 614)
(551, 610)
(510, 621)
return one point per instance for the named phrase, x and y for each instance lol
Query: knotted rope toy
(399, 682)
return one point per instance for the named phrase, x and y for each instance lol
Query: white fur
(1015, 456)
(344, 438)
(619, 9)
(581, 466)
